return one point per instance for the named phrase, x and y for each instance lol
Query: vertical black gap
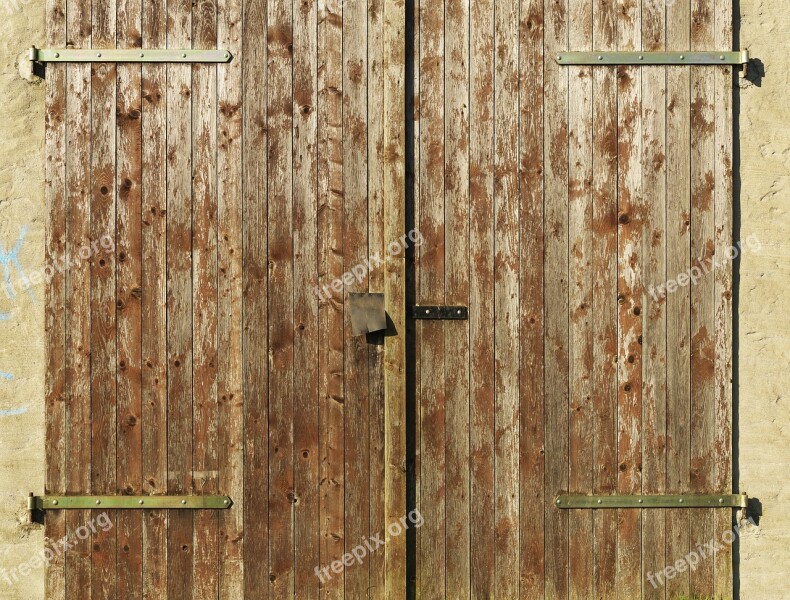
(411, 296)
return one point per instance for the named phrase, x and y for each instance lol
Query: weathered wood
(77, 346)
(330, 260)
(129, 294)
(531, 311)
(393, 152)
(280, 324)
(702, 347)
(154, 303)
(180, 421)
(631, 217)
(481, 316)
(306, 398)
(430, 289)
(255, 298)
(580, 300)
(230, 359)
(355, 252)
(723, 299)
(457, 285)
(55, 299)
(204, 300)
(556, 299)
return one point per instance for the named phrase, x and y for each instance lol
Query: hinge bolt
(599, 500)
(641, 57)
(183, 55)
(600, 57)
(640, 501)
(183, 502)
(57, 54)
(54, 502)
(680, 500)
(140, 502)
(682, 57)
(721, 500)
(98, 501)
(98, 55)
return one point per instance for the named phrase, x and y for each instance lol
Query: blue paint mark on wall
(11, 259)
(6, 375)
(12, 413)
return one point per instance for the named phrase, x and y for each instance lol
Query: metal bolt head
(224, 502)
(682, 57)
(599, 500)
(183, 55)
(142, 55)
(183, 502)
(600, 57)
(98, 501)
(640, 501)
(680, 500)
(721, 57)
(55, 502)
(559, 501)
(641, 57)
(98, 54)
(721, 500)
(57, 54)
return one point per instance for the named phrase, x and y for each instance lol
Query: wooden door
(557, 202)
(209, 350)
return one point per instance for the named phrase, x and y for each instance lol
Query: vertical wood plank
(77, 348)
(154, 302)
(129, 293)
(580, 300)
(280, 265)
(103, 302)
(654, 250)
(678, 301)
(204, 300)
(481, 316)
(703, 407)
(457, 286)
(531, 281)
(355, 252)
(255, 299)
(631, 217)
(180, 422)
(230, 359)
(56, 400)
(306, 431)
(430, 289)
(556, 300)
(723, 297)
(506, 299)
(394, 106)
(330, 353)
(376, 245)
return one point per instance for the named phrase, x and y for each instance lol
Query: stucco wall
(763, 334)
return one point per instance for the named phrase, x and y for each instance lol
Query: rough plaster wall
(22, 315)
(764, 337)
(764, 330)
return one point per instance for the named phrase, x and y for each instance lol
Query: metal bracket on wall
(740, 57)
(442, 313)
(654, 501)
(127, 502)
(118, 55)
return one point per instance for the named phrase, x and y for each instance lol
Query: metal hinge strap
(445, 313)
(653, 501)
(120, 55)
(127, 502)
(740, 57)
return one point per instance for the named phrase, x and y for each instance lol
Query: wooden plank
(723, 299)
(394, 292)
(556, 299)
(102, 312)
(481, 304)
(531, 313)
(376, 245)
(631, 302)
(77, 346)
(306, 432)
(330, 260)
(55, 423)
(355, 252)
(180, 420)
(654, 250)
(205, 301)
(678, 302)
(255, 299)
(230, 359)
(580, 300)
(154, 302)
(506, 299)
(457, 286)
(703, 408)
(129, 292)
(430, 289)
(604, 296)
(281, 311)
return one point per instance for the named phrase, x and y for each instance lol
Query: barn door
(216, 215)
(584, 214)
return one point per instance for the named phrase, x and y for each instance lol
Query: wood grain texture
(129, 292)
(481, 300)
